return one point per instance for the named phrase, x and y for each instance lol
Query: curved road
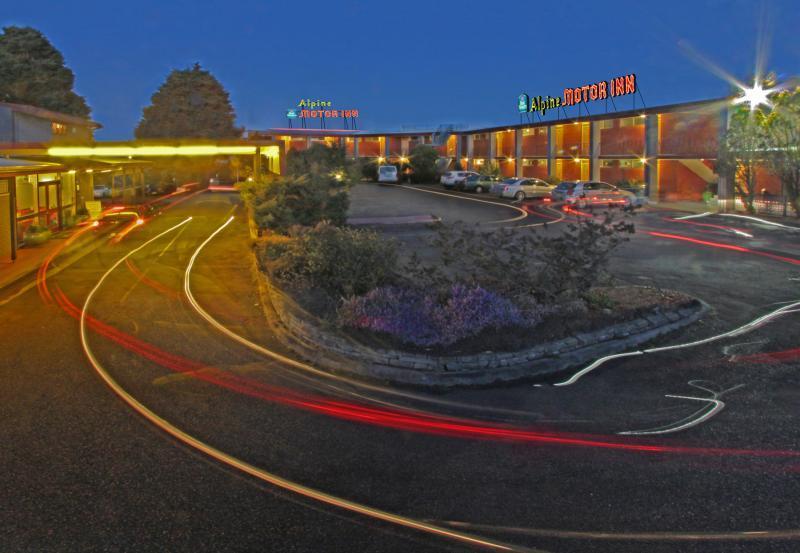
(532, 465)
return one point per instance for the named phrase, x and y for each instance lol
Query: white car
(586, 193)
(452, 178)
(521, 189)
(102, 192)
(387, 173)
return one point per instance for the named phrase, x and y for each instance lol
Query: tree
(782, 128)
(423, 161)
(742, 150)
(32, 71)
(190, 103)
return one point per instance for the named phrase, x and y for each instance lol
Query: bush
(320, 161)
(289, 201)
(491, 169)
(425, 319)
(369, 169)
(530, 267)
(423, 162)
(341, 261)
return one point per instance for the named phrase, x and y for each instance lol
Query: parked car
(387, 173)
(478, 183)
(452, 178)
(521, 189)
(102, 192)
(586, 193)
(562, 190)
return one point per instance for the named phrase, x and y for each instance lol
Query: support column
(386, 147)
(470, 150)
(594, 151)
(308, 142)
(492, 155)
(257, 164)
(651, 156)
(518, 153)
(404, 146)
(726, 197)
(459, 153)
(551, 150)
(355, 147)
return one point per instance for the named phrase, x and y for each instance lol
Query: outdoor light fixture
(381, 159)
(643, 159)
(755, 96)
(403, 159)
(90, 170)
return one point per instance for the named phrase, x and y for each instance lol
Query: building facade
(672, 149)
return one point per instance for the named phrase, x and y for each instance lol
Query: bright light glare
(139, 221)
(755, 96)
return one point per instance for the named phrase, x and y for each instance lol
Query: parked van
(387, 173)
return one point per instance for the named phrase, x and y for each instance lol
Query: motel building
(670, 149)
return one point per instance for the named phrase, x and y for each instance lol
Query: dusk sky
(405, 63)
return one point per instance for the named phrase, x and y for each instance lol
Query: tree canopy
(190, 103)
(32, 71)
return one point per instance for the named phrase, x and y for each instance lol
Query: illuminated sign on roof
(617, 86)
(311, 109)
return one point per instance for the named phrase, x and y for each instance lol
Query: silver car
(586, 193)
(521, 189)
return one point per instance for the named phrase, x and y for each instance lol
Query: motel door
(48, 203)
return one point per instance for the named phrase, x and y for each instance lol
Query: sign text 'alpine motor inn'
(318, 108)
(618, 86)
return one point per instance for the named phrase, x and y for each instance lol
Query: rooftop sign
(617, 86)
(308, 108)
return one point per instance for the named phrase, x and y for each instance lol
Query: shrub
(341, 261)
(491, 169)
(289, 201)
(423, 318)
(423, 161)
(529, 267)
(319, 160)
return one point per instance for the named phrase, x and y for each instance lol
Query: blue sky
(404, 62)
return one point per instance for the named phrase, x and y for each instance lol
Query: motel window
(58, 128)
(630, 121)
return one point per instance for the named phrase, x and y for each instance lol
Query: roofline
(49, 114)
(666, 108)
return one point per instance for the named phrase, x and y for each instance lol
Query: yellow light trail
(158, 151)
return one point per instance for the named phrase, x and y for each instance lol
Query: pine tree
(32, 72)
(190, 103)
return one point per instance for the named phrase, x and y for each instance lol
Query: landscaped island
(468, 292)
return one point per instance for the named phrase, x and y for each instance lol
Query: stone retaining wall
(326, 347)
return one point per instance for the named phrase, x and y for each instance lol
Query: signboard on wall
(571, 96)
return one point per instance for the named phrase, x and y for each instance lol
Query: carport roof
(17, 166)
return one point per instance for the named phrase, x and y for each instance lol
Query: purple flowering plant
(425, 318)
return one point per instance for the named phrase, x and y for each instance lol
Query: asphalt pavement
(82, 471)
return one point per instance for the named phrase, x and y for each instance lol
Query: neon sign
(308, 108)
(617, 86)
